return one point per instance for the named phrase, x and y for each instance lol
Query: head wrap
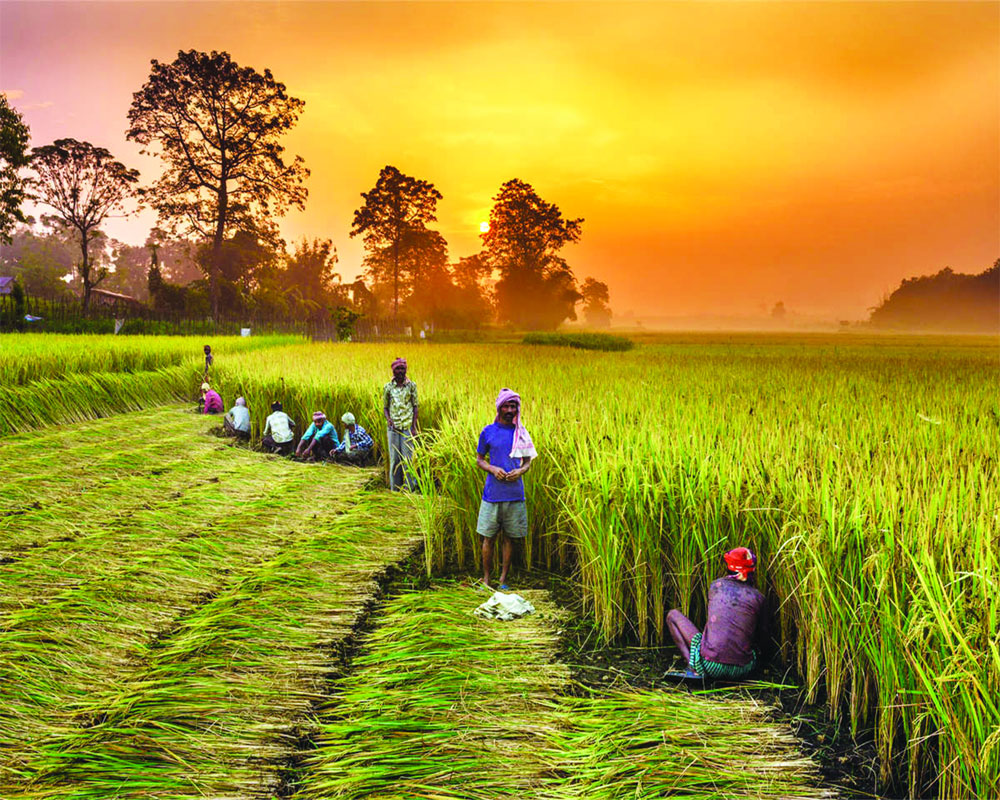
(240, 401)
(522, 446)
(318, 415)
(348, 418)
(205, 387)
(276, 406)
(398, 362)
(741, 561)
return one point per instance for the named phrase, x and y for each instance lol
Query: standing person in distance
(400, 408)
(508, 446)
(209, 359)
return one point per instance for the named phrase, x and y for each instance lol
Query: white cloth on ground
(504, 607)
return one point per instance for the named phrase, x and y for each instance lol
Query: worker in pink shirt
(211, 401)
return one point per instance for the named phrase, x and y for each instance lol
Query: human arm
(416, 408)
(486, 466)
(386, 401)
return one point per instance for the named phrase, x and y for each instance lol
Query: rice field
(863, 471)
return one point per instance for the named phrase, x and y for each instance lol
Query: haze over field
(724, 156)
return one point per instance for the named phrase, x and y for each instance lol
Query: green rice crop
(862, 471)
(29, 357)
(442, 704)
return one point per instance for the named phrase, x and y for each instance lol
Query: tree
(595, 303)
(84, 185)
(399, 246)
(40, 260)
(778, 312)
(218, 127)
(312, 269)
(537, 288)
(13, 158)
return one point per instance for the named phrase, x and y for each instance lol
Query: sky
(724, 155)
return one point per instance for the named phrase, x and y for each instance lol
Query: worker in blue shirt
(319, 440)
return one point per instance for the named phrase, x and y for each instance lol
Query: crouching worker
(725, 649)
(508, 446)
(319, 441)
(357, 447)
(211, 401)
(277, 436)
(237, 420)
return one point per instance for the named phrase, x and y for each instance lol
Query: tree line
(217, 129)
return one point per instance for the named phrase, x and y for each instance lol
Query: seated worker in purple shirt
(211, 402)
(508, 446)
(725, 649)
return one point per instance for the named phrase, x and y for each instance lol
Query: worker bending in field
(356, 447)
(503, 509)
(725, 649)
(319, 441)
(211, 401)
(277, 436)
(399, 404)
(237, 420)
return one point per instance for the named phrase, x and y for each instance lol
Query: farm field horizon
(179, 616)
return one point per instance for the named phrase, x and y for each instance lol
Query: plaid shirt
(360, 440)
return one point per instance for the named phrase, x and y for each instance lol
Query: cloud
(33, 106)
(12, 94)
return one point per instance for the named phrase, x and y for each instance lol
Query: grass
(442, 704)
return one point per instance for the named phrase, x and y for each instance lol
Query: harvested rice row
(55, 480)
(96, 543)
(442, 704)
(78, 648)
(21, 448)
(109, 508)
(223, 702)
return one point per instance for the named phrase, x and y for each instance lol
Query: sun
(484, 227)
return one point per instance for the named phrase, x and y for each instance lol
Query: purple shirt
(213, 402)
(495, 443)
(734, 611)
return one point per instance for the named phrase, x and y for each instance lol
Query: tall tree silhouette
(595, 303)
(398, 244)
(84, 185)
(13, 158)
(217, 127)
(537, 288)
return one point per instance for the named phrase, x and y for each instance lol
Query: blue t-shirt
(495, 443)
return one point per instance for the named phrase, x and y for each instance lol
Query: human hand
(389, 425)
(498, 473)
(413, 430)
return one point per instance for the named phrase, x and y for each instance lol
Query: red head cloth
(318, 415)
(741, 561)
(398, 362)
(522, 445)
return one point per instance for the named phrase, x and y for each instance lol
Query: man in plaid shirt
(356, 447)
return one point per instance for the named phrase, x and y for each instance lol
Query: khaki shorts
(510, 516)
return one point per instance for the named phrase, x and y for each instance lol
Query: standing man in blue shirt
(508, 446)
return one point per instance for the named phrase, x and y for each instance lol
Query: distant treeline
(949, 300)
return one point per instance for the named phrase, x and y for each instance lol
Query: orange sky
(724, 155)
